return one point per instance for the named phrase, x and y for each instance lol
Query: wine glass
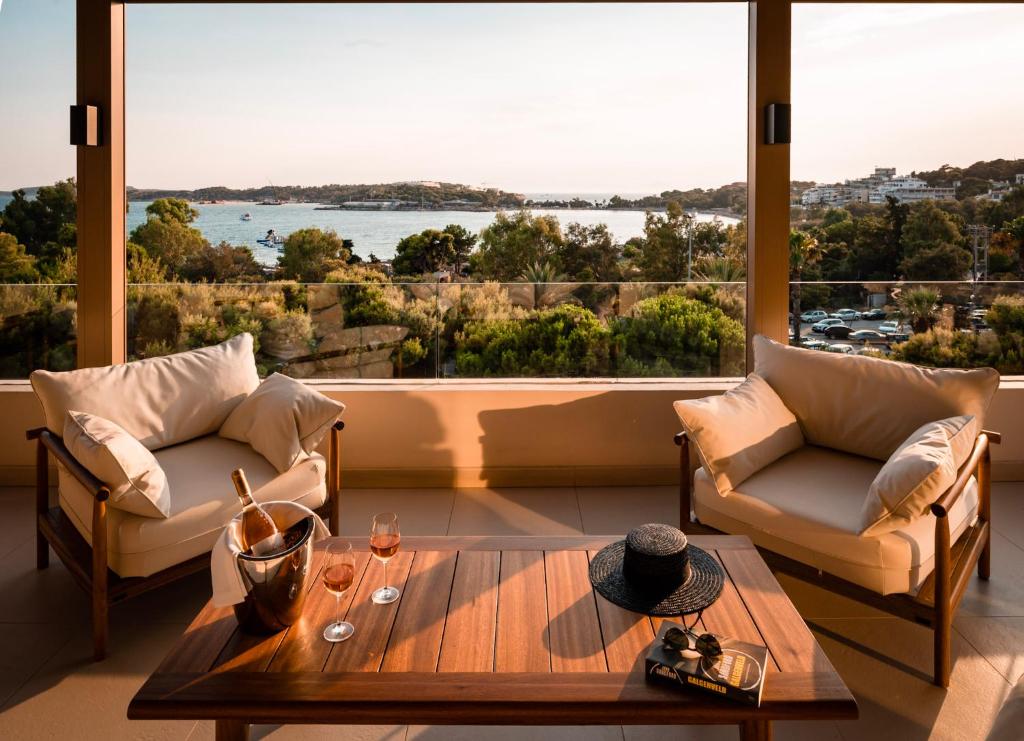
(339, 571)
(384, 541)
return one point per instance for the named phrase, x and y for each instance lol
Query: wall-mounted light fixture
(85, 126)
(777, 123)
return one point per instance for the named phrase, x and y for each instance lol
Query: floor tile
(510, 511)
(30, 595)
(813, 602)
(999, 640)
(782, 731)
(420, 511)
(25, 648)
(17, 517)
(1008, 510)
(1003, 594)
(75, 698)
(513, 733)
(887, 664)
(614, 510)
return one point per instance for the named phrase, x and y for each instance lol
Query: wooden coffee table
(489, 630)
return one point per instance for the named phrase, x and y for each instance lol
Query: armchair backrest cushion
(740, 432)
(158, 401)
(868, 406)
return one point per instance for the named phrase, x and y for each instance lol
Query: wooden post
(334, 478)
(685, 482)
(42, 503)
(101, 185)
(985, 510)
(100, 602)
(943, 626)
(767, 174)
(231, 730)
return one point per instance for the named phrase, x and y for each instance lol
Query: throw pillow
(137, 483)
(740, 432)
(283, 420)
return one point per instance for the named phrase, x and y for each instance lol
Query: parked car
(837, 332)
(873, 314)
(824, 323)
(813, 316)
(847, 315)
(868, 335)
(899, 337)
(892, 327)
(840, 348)
(812, 343)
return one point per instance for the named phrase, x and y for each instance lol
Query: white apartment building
(907, 188)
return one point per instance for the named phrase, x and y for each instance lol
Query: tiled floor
(49, 687)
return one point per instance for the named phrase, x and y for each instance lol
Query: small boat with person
(246, 216)
(272, 238)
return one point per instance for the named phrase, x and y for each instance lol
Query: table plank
(728, 616)
(548, 542)
(574, 627)
(415, 644)
(626, 635)
(790, 641)
(468, 642)
(364, 651)
(304, 647)
(522, 631)
(199, 647)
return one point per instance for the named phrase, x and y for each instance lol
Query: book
(737, 674)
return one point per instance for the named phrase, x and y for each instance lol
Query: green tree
(45, 225)
(223, 263)
(804, 254)
(171, 241)
(664, 249)
(932, 245)
(588, 253)
(16, 266)
(172, 209)
(511, 243)
(463, 241)
(673, 335)
(310, 254)
(564, 341)
(427, 252)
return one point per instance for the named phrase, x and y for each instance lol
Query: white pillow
(917, 474)
(137, 483)
(740, 432)
(283, 420)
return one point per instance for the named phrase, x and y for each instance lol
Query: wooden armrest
(941, 507)
(339, 425)
(679, 437)
(994, 438)
(55, 445)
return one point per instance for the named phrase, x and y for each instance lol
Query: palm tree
(720, 269)
(920, 308)
(549, 286)
(804, 251)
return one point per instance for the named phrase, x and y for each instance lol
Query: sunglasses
(706, 644)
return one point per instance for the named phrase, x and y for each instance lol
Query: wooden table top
(488, 630)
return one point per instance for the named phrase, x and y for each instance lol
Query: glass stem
(385, 574)
(337, 608)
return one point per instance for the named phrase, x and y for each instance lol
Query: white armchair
(174, 406)
(803, 503)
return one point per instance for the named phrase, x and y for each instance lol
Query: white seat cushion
(807, 506)
(203, 502)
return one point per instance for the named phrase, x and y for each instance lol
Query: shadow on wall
(583, 440)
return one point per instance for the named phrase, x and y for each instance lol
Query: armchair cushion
(159, 401)
(868, 406)
(807, 506)
(283, 420)
(916, 475)
(740, 432)
(137, 483)
(204, 501)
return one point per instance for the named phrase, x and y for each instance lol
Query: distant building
(1019, 178)
(907, 188)
(875, 188)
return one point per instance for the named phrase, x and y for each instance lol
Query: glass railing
(942, 324)
(454, 330)
(38, 328)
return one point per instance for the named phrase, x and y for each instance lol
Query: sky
(542, 98)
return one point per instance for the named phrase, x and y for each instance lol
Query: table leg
(756, 730)
(232, 730)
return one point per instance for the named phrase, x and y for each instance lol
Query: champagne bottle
(259, 534)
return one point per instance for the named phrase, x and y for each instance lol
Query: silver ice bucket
(277, 584)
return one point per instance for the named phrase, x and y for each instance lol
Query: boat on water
(272, 238)
(246, 216)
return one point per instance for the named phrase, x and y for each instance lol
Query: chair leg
(334, 478)
(985, 512)
(100, 600)
(943, 625)
(42, 503)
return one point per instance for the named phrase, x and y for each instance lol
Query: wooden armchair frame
(936, 601)
(87, 563)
